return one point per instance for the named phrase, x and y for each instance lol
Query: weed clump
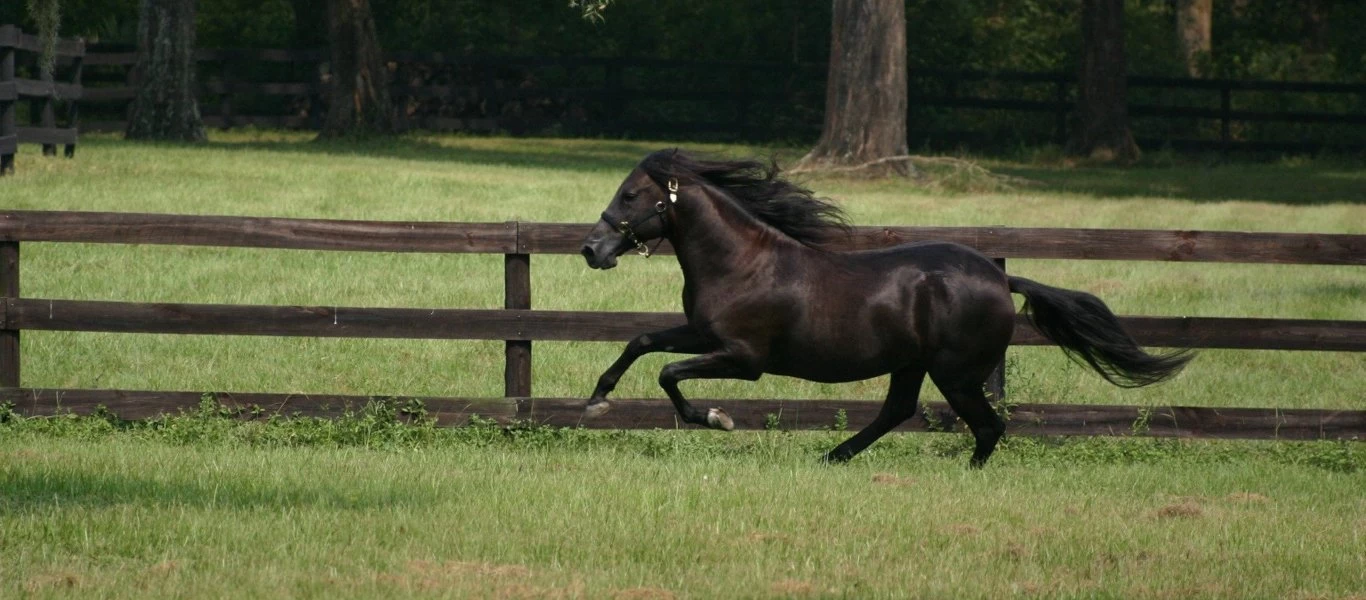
(393, 423)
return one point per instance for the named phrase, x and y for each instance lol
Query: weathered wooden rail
(43, 94)
(519, 326)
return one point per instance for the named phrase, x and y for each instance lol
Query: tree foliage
(1261, 39)
(47, 16)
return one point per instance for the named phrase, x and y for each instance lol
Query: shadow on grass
(1313, 183)
(1308, 183)
(36, 492)
(1299, 185)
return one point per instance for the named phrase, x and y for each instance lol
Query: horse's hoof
(597, 409)
(718, 419)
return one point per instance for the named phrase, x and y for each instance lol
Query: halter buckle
(641, 248)
(673, 190)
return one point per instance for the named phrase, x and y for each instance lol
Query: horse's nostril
(588, 254)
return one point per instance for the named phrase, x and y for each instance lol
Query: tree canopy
(1267, 39)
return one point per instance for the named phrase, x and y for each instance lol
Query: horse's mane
(759, 190)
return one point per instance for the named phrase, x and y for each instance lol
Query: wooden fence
(735, 100)
(44, 93)
(518, 325)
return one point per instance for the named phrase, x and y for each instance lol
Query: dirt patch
(164, 567)
(1303, 595)
(793, 587)
(52, 581)
(1209, 590)
(1248, 498)
(467, 568)
(893, 479)
(522, 591)
(766, 537)
(1101, 287)
(643, 593)
(1181, 510)
(962, 529)
(1015, 551)
(433, 575)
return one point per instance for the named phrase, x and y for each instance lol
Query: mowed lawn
(201, 506)
(683, 514)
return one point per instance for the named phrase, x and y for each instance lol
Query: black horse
(763, 293)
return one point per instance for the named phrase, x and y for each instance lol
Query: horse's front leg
(684, 340)
(716, 365)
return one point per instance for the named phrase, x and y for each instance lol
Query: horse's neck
(713, 237)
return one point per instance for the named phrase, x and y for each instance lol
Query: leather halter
(627, 228)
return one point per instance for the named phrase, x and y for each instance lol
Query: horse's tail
(1088, 331)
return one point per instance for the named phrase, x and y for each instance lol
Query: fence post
(318, 90)
(9, 338)
(72, 113)
(742, 102)
(8, 111)
(517, 353)
(48, 118)
(225, 96)
(616, 97)
(1061, 106)
(1225, 107)
(996, 382)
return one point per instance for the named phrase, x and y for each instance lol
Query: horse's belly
(832, 363)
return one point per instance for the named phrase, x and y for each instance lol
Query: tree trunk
(1193, 33)
(165, 107)
(1102, 116)
(360, 103)
(865, 94)
(1315, 27)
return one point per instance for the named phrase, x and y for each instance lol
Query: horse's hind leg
(902, 396)
(963, 390)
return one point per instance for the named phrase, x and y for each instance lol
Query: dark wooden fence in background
(737, 100)
(518, 325)
(44, 93)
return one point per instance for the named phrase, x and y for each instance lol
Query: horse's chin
(606, 265)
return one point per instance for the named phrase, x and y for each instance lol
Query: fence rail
(564, 238)
(738, 97)
(519, 326)
(556, 325)
(43, 95)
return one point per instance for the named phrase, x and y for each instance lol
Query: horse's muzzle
(598, 260)
(603, 245)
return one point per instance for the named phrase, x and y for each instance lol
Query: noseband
(627, 228)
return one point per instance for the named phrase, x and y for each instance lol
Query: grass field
(202, 506)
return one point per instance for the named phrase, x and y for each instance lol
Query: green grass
(201, 506)
(499, 179)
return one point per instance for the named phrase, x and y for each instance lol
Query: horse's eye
(628, 196)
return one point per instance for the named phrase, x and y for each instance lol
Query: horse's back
(932, 256)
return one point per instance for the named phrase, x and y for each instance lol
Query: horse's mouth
(607, 261)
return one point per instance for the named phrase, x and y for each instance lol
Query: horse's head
(637, 214)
